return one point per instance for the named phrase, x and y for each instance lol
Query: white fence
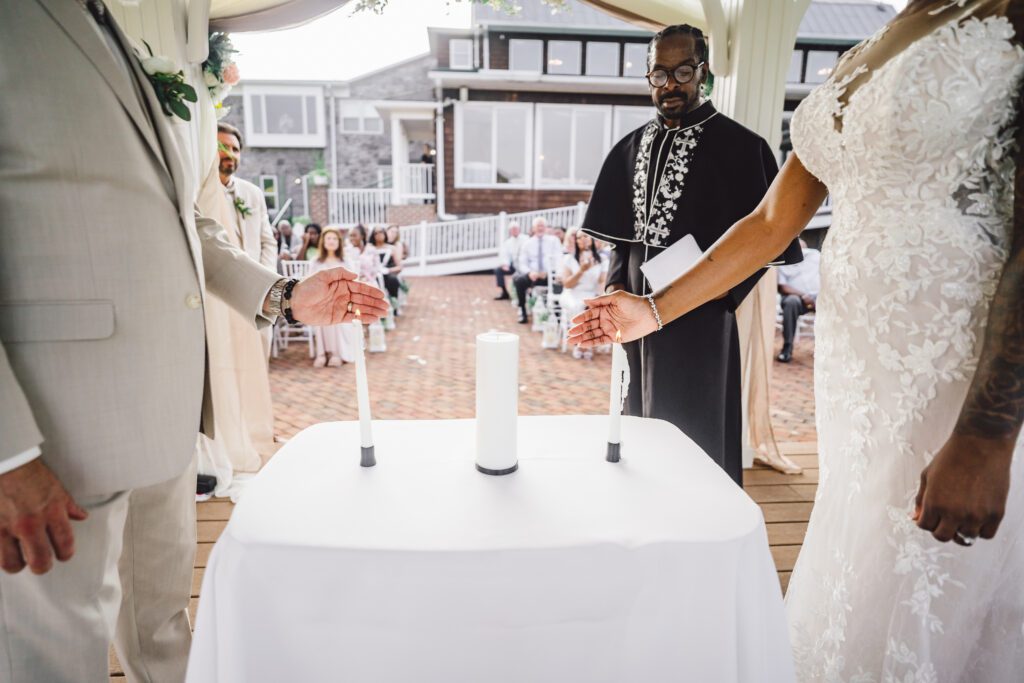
(348, 207)
(472, 243)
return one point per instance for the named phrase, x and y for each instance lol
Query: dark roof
(536, 13)
(844, 19)
(825, 19)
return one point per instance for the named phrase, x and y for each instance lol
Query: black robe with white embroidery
(657, 185)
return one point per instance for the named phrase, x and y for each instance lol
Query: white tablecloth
(572, 569)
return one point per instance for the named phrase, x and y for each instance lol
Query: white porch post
(399, 159)
(761, 35)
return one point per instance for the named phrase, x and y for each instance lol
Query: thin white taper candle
(362, 389)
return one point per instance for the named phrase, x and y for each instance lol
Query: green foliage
(172, 91)
(221, 51)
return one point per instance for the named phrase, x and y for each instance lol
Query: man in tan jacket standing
(103, 363)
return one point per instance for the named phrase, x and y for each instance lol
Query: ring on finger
(349, 307)
(966, 540)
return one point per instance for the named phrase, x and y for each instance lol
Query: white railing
(411, 182)
(348, 207)
(474, 238)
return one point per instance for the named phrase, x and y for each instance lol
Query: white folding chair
(283, 332)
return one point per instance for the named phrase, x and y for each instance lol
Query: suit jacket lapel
(74, 22)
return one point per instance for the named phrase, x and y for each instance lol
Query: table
(422, 569)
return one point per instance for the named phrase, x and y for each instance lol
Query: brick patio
(428, 373)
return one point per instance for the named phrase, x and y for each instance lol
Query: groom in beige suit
(103, 361)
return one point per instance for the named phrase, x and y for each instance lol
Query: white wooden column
(752, 89)
(399, 159)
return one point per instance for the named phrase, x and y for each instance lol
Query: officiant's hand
(323, 298)
(963, 491)
(35, 519)
(609, 314)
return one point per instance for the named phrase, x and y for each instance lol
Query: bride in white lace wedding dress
(914, 138)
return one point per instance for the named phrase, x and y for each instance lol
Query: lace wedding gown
(919, 164)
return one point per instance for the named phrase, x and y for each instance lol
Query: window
(628, 119)
(268, 184)
(571, 144)
(525, 55)
(820, 65)
(602, 59)
(460, 53)
(564, 57)
(284, 116)
(359, 118)
(634, 60)
(492, 144)
(796, 67)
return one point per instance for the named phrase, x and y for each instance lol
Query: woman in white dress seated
(582, 274)
(337, 341)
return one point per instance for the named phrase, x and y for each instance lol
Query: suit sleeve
(230, 273)
(18, 430)
(268, 250)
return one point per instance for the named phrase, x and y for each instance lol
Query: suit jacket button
(193, 301)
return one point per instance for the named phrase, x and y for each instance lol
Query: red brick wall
(408, 214)
(318, 204)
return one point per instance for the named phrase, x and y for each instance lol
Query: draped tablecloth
(572, 569)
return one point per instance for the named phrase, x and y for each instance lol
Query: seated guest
(604, 249)
(390, 260)
(339, 341)
(288, 242)
(583, 275)
(798, 284)
(310, 243)
(508, 257)
(558, 232)
(365, 260)
(569, 241)
(541, 254)
(395, 240)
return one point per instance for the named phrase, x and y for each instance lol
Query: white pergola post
(760, 35)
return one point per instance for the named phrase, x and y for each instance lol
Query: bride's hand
(964, 489)
(610, 314)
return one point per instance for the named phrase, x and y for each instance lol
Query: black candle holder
(498, 473)
(368, 458)
(613, 452)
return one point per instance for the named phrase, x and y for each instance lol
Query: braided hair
(681, 30)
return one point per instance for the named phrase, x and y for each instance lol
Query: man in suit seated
(541, 255)
(799, 284)
(508, 257)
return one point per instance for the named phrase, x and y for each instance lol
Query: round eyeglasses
(682, 75)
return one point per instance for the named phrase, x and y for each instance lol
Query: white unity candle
(362, 389)
(620, 377)
(497, 402)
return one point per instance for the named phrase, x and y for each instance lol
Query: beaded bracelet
(654, 309)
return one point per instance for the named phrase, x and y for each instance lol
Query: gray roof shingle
(825, 19)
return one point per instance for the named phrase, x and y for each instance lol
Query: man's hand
(964, 489)
(323, 299)
(610, 314)
(808, 301)
(507, 269)
(35, 519)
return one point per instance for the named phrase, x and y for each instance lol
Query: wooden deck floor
(785, 500)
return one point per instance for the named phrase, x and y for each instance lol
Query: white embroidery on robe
(654, 228)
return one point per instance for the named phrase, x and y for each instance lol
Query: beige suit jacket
(257, 235)
(103, 357)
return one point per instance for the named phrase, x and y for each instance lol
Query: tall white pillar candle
(362, 389)
(497, 402)
(620, 375)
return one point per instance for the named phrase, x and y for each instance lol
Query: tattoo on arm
(994, 408)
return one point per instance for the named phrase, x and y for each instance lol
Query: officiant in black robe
(690, 171)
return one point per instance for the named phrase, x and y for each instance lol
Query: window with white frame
(571, 144)
(602, 59)
(268, 183)
(359, 118)
(460, 53)
(634, 60)
(628, 119)
(492, 144)
(284, 116)
(525, 55)
(565, 57)
(819, 65)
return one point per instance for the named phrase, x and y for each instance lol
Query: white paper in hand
(661, 270)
